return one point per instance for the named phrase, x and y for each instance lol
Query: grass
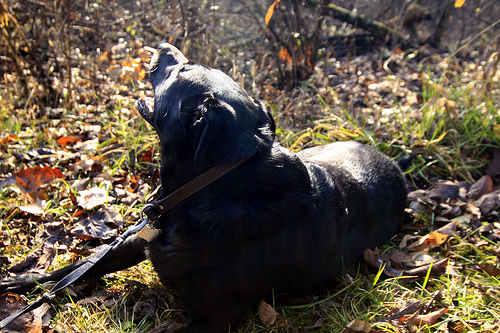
(451, 135)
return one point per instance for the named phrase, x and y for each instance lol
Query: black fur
(280, 222)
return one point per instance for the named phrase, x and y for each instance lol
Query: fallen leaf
(482, 186)
(92, 198)
(449, 229)
(30, 179)
(269, 317)
(34, 209)
(357, 326)
(9, 138)
(82, 165)
(430, 318)
(101, 224)
(317, 325)
(493, 271)
(429, 241)
(67, 140)
(488, 202)
(270, 12)
(438, 268)
(30, 322)
(144, 54)
(26, 263)
(406, 239)
(444, 191)
(372, 257)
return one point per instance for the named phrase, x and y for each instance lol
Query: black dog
(279, 222)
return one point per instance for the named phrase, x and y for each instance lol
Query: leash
(149, 213)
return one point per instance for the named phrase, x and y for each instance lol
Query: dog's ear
(269, 117)
(209, 124)
(222, 135)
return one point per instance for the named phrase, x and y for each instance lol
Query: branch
(378, 29)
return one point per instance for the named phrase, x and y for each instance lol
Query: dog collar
(155, 209)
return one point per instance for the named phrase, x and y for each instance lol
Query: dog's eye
(197, 115)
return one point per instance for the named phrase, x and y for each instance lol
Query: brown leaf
(317, 325)
(28, 322)
(488, 202)
(372, 257)
(493, 271)
(437, 268)
(430, 318)
(101, 224)
(144, 54)
(67, 140)
(357, 326)
(429, 241)
(30, 179)
(34, 209)
(270, 12)
(92, 198)
(444, 191)
(482, 186)
(26, 263)
(449, 229)
(270, 317)
(103, 56)
(9, 138)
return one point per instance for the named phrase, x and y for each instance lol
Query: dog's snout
(168, 55)
(163, 46)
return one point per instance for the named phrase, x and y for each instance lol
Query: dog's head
(202, 114)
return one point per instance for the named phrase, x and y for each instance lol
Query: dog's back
(369, 187)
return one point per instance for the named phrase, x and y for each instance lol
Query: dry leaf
(144, 54)
(34, 209)
(357, 325)
(30, 179)
(372, 257)
(103, 56)
(488, 202)
(101, 224)
(28, 322)
(459, 3)
(444, 191)
(482, 186)
(430, 318)
(9, 138)
(67, 140)
(92, 198)
(270, 12)
(493, 271)
(429, 241)
(270, 317)
(449, 229)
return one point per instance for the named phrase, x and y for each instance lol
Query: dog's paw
(19, 285)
